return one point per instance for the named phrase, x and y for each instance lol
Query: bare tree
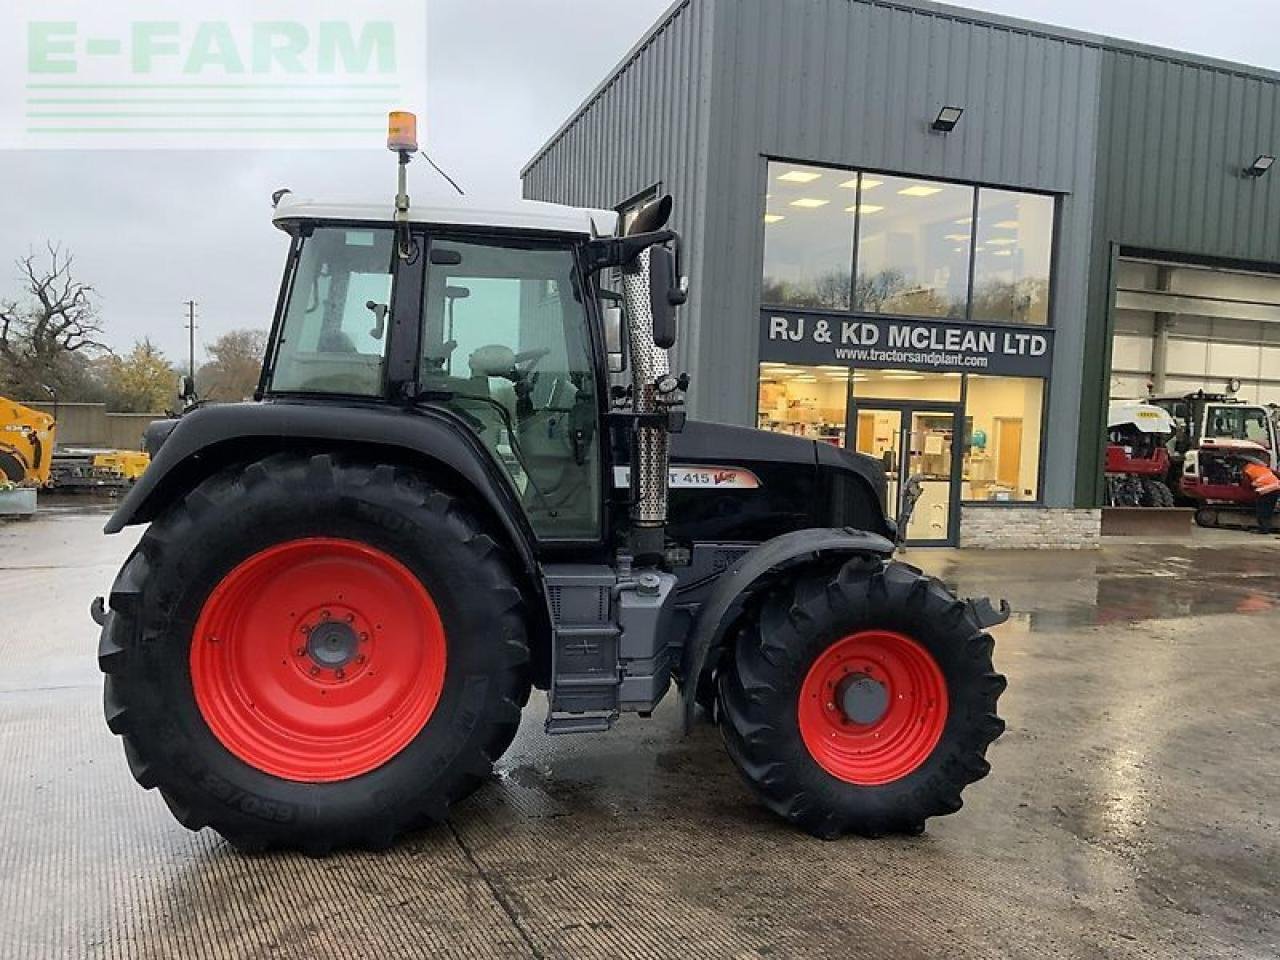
(235, 359)
(45, 335)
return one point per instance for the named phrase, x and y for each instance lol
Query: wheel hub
(318, 659)
(872, 707)
(862, 698)
(332, 645)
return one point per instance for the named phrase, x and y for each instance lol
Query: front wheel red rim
(872, 707)
(318, 659)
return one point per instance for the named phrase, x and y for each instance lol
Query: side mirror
(186, 388)
(665, 294)
(614, 339)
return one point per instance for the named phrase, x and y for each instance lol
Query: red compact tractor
(1213, 478)
(1138, 458)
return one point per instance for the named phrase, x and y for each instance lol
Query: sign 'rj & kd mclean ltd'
(889, 343)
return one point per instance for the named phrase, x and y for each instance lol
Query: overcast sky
(151, 230)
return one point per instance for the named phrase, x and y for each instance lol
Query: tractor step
(580, 724)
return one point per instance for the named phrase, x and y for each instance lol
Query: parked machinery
(26, 445)
(97, 470)
(1138, 459)
(1201, 416)
(328, 631)
(1213, 479)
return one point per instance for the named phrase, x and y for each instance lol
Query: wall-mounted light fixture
(1259, 166)
(947, 119)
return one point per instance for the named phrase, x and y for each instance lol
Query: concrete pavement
(1133, 809)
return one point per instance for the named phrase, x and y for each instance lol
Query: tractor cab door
(506, 345)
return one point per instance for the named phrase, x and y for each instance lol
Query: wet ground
(1133, 810)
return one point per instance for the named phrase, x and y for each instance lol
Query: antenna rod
(191, 339)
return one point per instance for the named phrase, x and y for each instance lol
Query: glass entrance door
(920, 443)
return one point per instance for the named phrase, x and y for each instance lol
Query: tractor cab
(1200, 417)
(488, 313)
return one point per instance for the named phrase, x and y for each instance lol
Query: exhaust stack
(650, 366)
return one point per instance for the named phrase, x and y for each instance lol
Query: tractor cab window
(505, 345)
(333, 339)
(1238, 423)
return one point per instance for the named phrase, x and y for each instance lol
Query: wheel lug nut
(301, 651)
(342, 674)
(315, 671)
(360, 659)
(351, 618)
(364, 637)
(306, 628)
(324, 614)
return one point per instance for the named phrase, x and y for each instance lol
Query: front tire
(314, 653)
(861, 700)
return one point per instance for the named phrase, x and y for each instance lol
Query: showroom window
(924, 248)
(808, 237)
(914, 243)
(1002, 417)
(1011, 259)
(1002, 439)
(804, 401)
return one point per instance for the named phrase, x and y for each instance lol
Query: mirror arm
(622, 251)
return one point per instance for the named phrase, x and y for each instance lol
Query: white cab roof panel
(456, 211)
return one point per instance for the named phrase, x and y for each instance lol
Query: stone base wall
(1029, 528)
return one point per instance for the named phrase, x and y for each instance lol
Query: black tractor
(442, 498)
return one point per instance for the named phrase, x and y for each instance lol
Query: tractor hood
(734, 484)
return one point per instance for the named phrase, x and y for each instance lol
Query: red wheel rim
(903, 689)
(318, 660)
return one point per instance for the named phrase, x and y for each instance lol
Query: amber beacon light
(402, 132)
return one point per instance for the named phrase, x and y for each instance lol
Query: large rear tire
(1156, 494)
(314, 653)
(861, 700)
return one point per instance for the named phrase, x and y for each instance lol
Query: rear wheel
(12, 467)
(1156, 494)
(313, 653)
(862, 700)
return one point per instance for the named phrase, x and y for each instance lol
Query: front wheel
(314, 653)
(861, 700)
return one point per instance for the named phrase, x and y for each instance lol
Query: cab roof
(531, 215)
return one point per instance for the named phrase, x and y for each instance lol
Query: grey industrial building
(944, 237)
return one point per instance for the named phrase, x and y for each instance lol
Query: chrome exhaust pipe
(650, 448)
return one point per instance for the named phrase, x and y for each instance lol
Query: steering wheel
(524, 379)
(526, 360)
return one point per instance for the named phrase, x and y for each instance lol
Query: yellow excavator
(26, 445)
(27, 456)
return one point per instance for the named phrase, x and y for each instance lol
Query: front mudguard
(761, 566)
(752, 570)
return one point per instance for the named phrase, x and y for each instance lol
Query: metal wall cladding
(1175, 135)
(646, 125)
(719, 85)
(1174, 139)
(858, 84)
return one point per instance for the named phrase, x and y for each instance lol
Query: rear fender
(752, 572)
(209, 439)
